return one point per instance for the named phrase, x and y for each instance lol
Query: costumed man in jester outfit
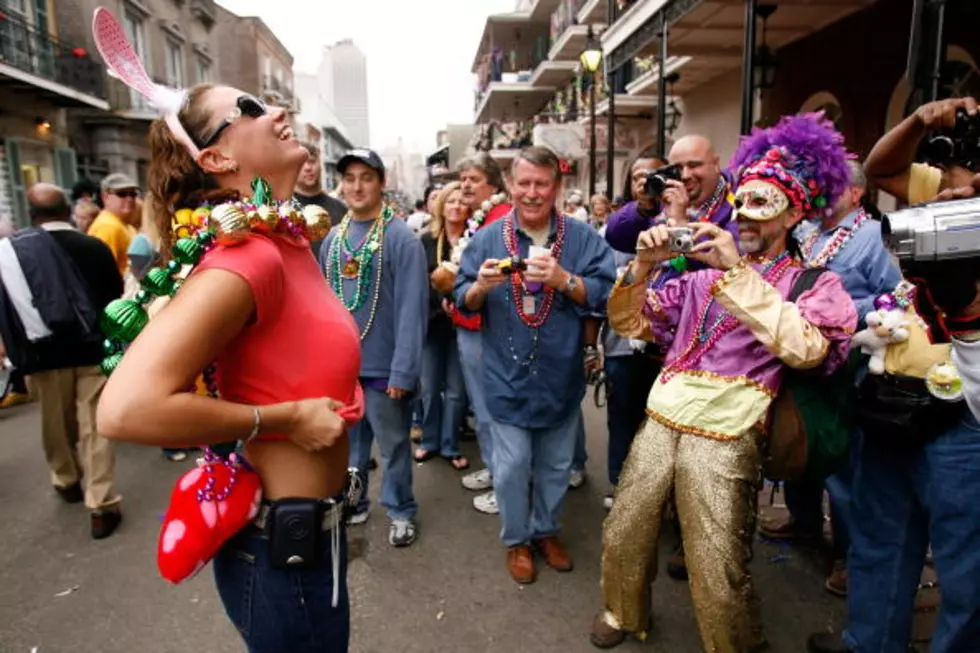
(731, 335)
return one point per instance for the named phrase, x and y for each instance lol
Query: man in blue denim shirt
(532, 350)
(849, 244)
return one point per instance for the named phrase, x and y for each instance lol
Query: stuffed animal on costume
(886, 325)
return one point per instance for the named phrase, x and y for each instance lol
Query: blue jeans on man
(903, 499)
(443, 395)
(470, 346)
(387, 420)
(531, 472)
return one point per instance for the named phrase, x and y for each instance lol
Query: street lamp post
(591, 58)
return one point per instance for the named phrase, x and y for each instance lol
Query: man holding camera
(917, 476)
(732, 331)
(534, 277)
(692, 188)
(952, 151)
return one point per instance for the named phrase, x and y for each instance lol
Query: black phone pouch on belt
(295, 527)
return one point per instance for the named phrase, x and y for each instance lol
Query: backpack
(812, 417)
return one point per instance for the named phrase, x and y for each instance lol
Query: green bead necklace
(347, 262)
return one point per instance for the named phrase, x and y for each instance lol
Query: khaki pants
(715, 484)
(72, 446)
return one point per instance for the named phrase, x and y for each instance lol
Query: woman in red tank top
(287, 356)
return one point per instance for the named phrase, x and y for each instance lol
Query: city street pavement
(62, 592)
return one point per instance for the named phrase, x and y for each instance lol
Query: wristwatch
(571, 284)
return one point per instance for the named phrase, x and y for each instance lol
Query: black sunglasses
(246, 105)
(132, 192)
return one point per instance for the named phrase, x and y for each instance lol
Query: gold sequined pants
(715, 483)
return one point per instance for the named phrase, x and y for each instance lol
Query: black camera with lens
(957, 146)
(657, 179)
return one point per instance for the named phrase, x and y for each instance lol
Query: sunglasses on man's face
(130, 193)
(246, 105)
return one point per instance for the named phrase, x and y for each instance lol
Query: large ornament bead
(200, 216)
(187, 251)
(110, 363)
(317, 221)
(268, 217)
(159, 282)
(229, 224)
(183, 216)
(123, 319)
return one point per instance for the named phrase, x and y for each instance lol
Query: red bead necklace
(517, 287)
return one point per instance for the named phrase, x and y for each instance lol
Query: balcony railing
(502, 136)
(27, 48)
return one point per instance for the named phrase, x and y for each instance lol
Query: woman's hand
(316, 424)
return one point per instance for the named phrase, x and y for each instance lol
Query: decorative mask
(760, 200)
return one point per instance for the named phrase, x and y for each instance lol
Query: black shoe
(826, 643)
(71, 494)
(104, 523)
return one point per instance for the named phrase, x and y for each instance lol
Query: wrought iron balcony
(34, 51)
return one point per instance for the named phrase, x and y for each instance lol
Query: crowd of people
(309, 332)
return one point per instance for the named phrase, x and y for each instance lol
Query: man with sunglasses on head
(114, 224)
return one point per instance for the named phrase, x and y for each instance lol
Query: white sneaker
(607, 501)
(478, 481)
(358, 518)
(577, 479)
(486, 503)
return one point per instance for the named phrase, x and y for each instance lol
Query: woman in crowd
(257, 309)
(600, 210)
(443, 387)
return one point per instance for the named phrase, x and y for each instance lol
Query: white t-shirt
(418, 220)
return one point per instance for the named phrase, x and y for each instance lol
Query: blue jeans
(628, 383)
(443, 394)
(389, 420)
(531, 472)
(901, 500)
(470, 345)
(277, 610)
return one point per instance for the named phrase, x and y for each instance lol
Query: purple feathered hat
(803, 154)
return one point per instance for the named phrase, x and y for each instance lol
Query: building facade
(175, 40)
(254, 59)
(44, 74)
(316, 110)
(343, 79)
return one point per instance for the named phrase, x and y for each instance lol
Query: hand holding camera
(718, 250)
(943, 114)
(491, 275)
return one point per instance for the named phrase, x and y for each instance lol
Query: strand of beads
(708, 208)
(123, 319)
(518, 290)
(834, 245)
(705, 338)
(365, 254)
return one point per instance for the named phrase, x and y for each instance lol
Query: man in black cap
(377, 266)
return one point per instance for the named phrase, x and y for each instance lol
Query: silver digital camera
(937, 231)
(681, 239)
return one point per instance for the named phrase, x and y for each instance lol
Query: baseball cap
(118, 181)
(368, 157)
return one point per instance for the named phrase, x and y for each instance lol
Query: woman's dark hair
(174, 180)
(628, 181)
(86, 186)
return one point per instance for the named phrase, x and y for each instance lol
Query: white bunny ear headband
(124, 64)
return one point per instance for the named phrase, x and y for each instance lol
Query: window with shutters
(174, 65)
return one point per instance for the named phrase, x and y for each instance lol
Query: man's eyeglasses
(130, 193)
(246, 105)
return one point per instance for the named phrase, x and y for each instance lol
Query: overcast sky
(419, 54)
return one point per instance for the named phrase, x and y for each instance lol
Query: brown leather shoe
(554, 553)
(836, 583)
(604, 635)
(520, 564)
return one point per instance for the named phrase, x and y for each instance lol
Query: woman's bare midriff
(290, 472)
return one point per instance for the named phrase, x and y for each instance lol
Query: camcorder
(657, 179)
(938, 245)
(957, 146)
